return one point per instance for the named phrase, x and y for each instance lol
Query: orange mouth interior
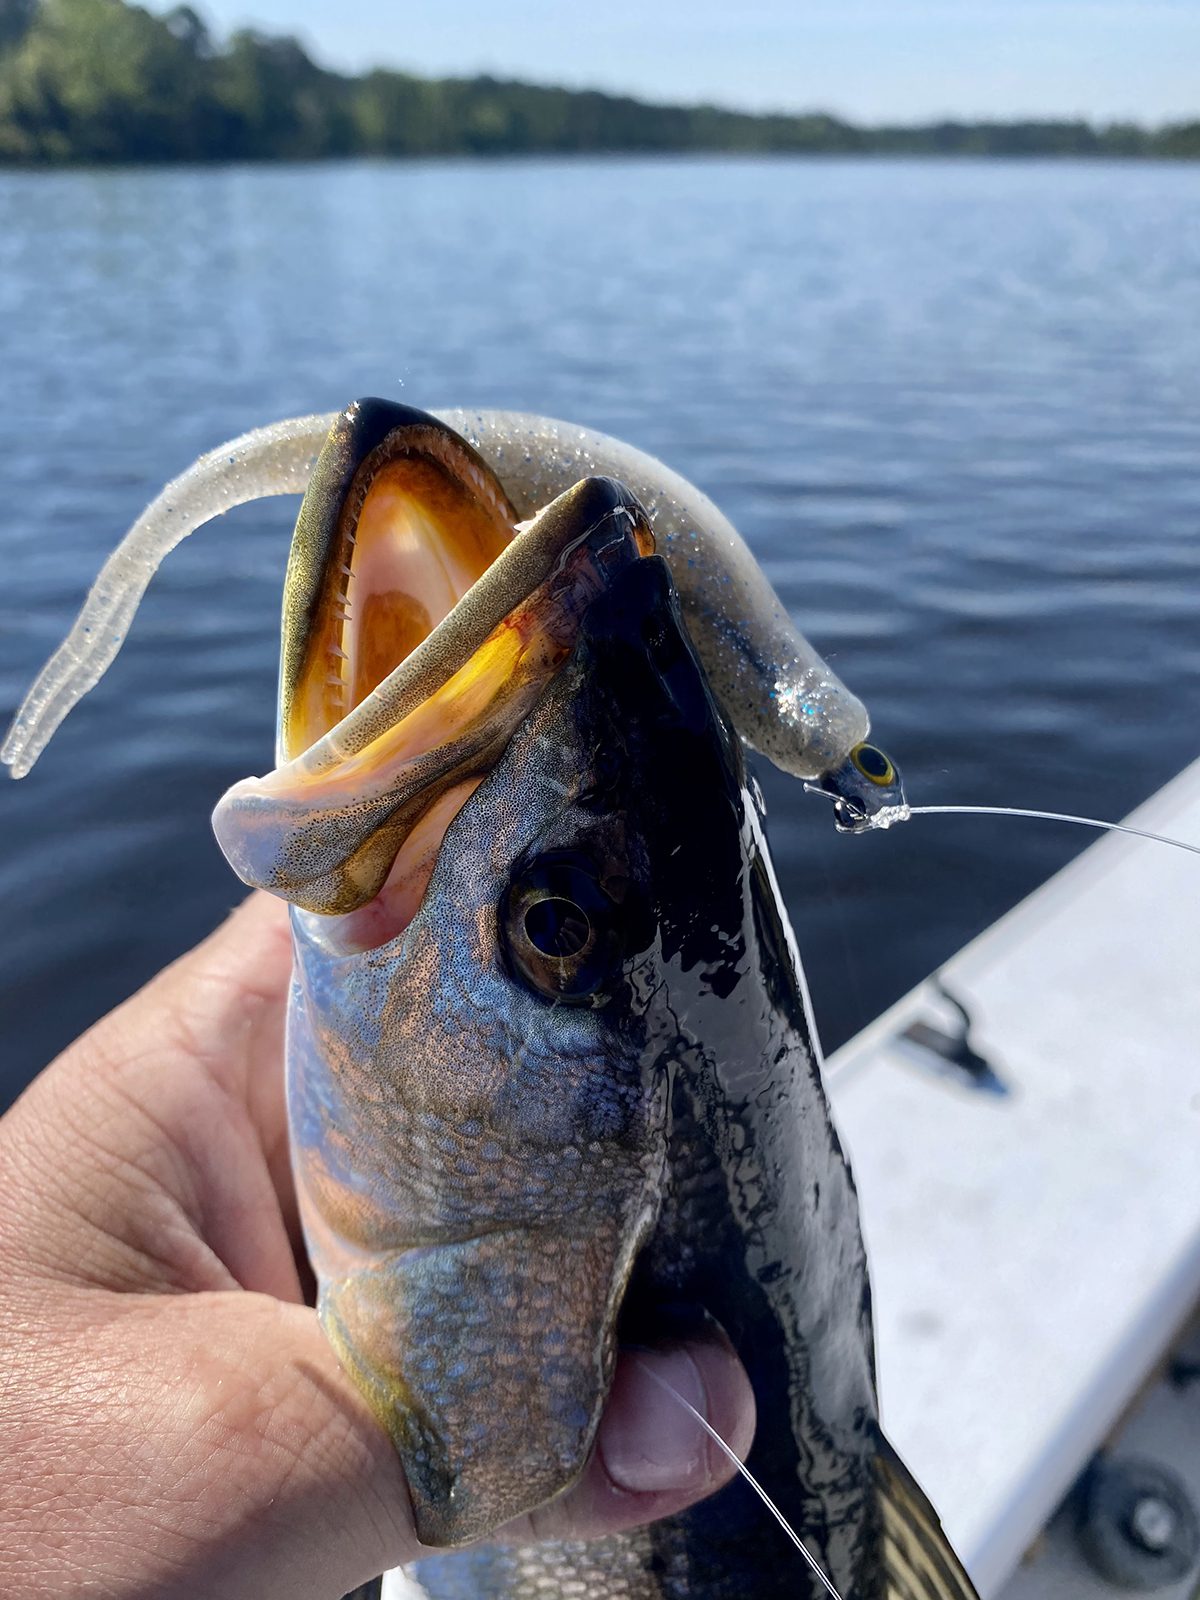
(405, 552)
(413, 535)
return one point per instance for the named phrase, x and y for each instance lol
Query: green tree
(100, 80)
(278, 103)
(96, 80)
(1181, 141)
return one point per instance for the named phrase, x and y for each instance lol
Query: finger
(308, 1486)
(332, 1504)
(228, 997)
(166, 1129)
(220, 1007)
(225, 999)
(652, 1458)
(244, 1463)
(313, 1501)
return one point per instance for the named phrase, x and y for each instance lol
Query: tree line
(103, 81)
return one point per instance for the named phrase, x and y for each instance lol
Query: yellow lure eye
(870, 760)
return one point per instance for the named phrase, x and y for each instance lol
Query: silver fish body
(654, 1146)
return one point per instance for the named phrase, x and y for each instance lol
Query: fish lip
(326, 829)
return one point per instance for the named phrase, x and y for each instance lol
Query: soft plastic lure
(782, 697)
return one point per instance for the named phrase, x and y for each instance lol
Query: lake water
(954, 408)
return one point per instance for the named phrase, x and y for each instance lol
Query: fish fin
(917, 1556)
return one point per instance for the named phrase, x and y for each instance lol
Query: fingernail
(647, 1439)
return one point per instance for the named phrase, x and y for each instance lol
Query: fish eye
(870, 760)
(561, 930)
(557, 927)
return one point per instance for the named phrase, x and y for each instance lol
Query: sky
(870, 60)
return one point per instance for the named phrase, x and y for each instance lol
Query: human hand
(172, 1421)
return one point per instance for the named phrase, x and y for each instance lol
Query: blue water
(955, 408)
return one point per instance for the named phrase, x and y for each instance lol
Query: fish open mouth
(421, 623)
(390, 538)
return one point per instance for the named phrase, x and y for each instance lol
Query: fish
(553, 1080)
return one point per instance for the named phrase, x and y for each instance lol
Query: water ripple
(953, 407)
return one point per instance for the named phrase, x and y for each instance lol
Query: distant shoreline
(215, 164)
(99, 83)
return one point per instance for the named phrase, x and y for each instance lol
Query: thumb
(335, 1505)
(245, 1464)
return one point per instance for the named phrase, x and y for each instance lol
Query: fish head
(479, 1076)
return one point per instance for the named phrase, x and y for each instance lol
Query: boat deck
(1034, 1254)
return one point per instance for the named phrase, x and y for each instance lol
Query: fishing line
(755, 812)
(888, 816)
(1042, 816)
(749, 1477)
